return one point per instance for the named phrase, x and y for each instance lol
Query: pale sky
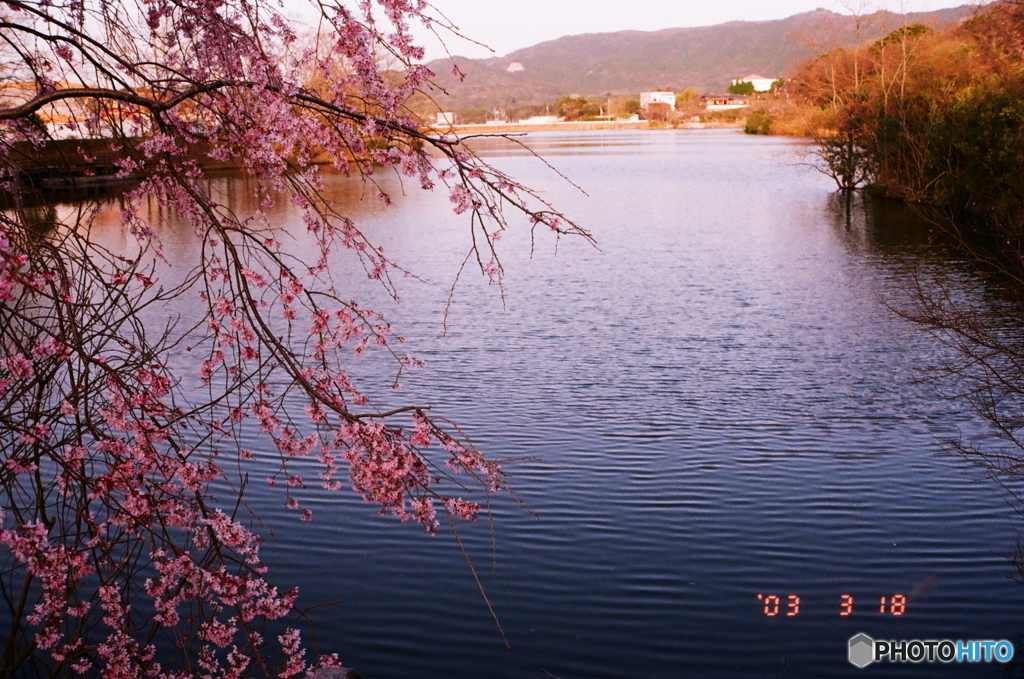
(507, 25)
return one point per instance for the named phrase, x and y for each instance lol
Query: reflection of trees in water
(879, 225)
(920, 250)
(986, 335)
(968, 294)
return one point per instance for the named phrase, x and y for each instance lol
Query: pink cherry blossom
(122, 418)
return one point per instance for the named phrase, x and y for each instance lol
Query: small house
(647, 99)
(724, 102)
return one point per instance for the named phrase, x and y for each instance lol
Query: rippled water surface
(716, 404)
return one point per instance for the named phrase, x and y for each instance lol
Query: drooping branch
(115, 557)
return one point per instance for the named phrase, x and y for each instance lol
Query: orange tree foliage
(933, 116)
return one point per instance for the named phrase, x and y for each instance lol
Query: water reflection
(716, 404)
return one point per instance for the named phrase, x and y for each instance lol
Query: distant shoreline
(511, 128)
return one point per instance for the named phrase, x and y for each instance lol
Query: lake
(712, 414)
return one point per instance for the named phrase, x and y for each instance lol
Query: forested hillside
(929, 116)
(705, 58)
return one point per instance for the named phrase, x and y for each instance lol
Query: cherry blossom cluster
(115, 431)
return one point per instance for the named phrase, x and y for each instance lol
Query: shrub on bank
(758, 122)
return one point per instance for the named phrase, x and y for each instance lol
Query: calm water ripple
(716, 404)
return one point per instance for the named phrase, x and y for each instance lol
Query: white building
(761, 84)
(444, 118)
(648, 98)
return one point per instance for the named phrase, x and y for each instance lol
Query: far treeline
(926, 116)
(574, 108)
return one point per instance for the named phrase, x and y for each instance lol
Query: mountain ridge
(706, 58)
